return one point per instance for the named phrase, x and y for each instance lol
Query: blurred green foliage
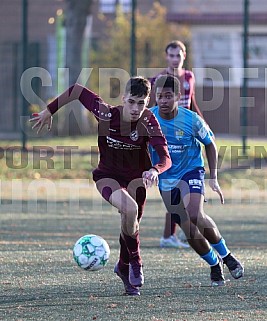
(153, 33)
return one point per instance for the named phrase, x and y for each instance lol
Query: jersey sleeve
(90, 100)
(190, 77)
(202, 131)
(164, 162)
(158, 141)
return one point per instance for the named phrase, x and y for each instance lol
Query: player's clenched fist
(150, 177)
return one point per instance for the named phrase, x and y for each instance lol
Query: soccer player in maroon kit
(175, 57)
(124, 170)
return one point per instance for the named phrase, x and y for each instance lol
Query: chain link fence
(42, 52)
(218, 48)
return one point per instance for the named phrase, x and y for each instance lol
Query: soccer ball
(91, 252)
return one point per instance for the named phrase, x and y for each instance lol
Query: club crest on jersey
(186, 85)
(134, 135)
(179, 134)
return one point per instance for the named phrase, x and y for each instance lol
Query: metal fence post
(24, 40)
(133, 39)
(245, 75)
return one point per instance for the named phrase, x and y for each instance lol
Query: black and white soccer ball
(91, 252)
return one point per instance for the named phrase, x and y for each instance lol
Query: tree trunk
(74, 120)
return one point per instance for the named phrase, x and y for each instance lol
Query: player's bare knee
(197, 219)
(129, 221)
(194, 219)
(132, 224)
(131, 228)
(194, 214)
(131, 213)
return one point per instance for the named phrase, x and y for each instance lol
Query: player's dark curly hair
(138, 86)
(168, 81)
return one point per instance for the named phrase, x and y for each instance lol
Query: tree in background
(152, 34)
(76, 13)
(113, 52)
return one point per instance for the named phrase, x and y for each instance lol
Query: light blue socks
(211, 257)
(221, 248)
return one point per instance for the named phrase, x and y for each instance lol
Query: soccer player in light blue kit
(182, 186)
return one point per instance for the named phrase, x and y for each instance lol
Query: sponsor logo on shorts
(195, 182)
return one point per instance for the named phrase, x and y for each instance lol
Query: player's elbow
(211, 147)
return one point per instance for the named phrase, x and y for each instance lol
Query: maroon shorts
(109, 183)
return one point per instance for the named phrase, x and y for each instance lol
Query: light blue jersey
(184, 133)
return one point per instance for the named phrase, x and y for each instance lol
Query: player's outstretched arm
(45, 117)
(212, 157)
(89, 99)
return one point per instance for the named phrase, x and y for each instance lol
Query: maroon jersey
(123, 146)
(187, 83)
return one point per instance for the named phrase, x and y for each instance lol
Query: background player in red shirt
(124, 170)
(175, 57)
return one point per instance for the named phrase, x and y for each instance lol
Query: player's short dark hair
(138, 86)
(176, 44)
(168, 81)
